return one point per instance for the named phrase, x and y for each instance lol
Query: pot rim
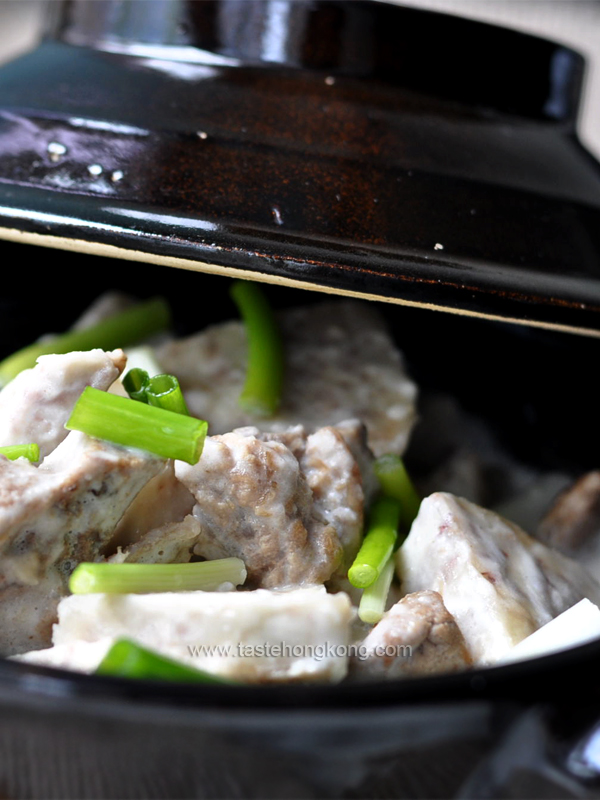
(543, 679)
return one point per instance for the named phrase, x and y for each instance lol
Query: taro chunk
(499, 584)
(341, 363)
(37, 403)
(51, 518)
(256, 636)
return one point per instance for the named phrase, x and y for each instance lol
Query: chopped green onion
(395, 482)
(262, 390)
(374, 598)
(164, 391)
(378, 544)
(135, 383)
(127, 422)
(29, 451)
(161, 391)
(126, 659)
(107, 578)
(127, 327)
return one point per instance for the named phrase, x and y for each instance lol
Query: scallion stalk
(395, 482)
(261, 394)
(29, 451)
(126, 578)
(374, 598)
(126, 659)
(164, 391)
(135, 383)
(161, 391)
(127, 422)
(378, 543)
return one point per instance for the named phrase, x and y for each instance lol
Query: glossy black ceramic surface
(349, 146)
(518, 731)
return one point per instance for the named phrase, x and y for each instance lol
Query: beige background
(575, 23)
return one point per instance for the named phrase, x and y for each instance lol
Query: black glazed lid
(346, 146)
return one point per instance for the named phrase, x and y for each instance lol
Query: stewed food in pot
(234, 506)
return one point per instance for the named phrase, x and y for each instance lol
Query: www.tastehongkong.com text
(317, 652)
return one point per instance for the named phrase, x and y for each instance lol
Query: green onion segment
(29, 451)
(127, 327)
(396, 483)
(135, 382)
(397, 506)
(125, 421)
(161, 391)
(261, 394)
(378, 544)
(374, 598)
(126, 659)
(164, 391)
(107, 578)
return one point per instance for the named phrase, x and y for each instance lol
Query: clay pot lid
(351, 147)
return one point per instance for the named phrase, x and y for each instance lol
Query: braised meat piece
(287, 515)
(162, 501)
(356, 437)
(338, 467)
(498, 583)
(37, 403)
(155, 522)
(341, 363)
(51, 518)
(333, 476)
(417, 636)
(573, 521)
(172, 543)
